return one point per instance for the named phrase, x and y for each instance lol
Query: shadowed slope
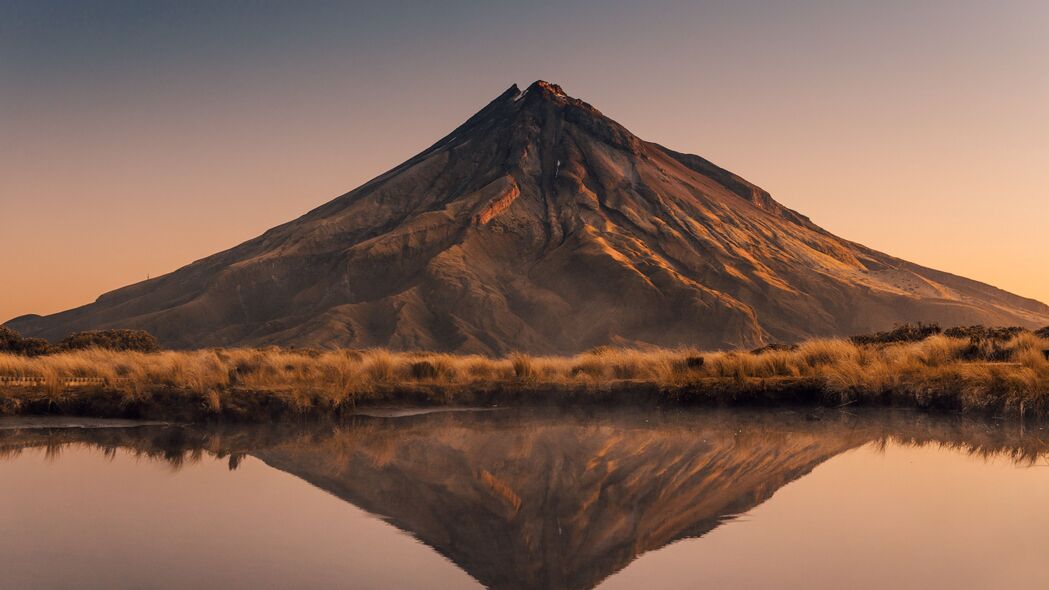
(542, 225)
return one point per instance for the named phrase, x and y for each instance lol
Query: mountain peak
(542, 225)
(547, 87)
(540, 89)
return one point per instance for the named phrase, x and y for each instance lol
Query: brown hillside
(542, 225)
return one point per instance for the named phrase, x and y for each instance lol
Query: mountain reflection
(546, 499)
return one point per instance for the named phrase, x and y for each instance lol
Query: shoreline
(1004, 377)
(252, 405)
(240, 404)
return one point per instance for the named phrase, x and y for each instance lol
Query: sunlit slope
(542, 225)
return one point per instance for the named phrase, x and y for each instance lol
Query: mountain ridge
(541, 225)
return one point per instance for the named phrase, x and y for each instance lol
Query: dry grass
(938, 371)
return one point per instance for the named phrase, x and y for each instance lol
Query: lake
(529, 498)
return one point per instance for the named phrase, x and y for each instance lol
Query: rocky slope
(542, 225)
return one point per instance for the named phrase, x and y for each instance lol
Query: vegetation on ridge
(13, 342)
(136, 340)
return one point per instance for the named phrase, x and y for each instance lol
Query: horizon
(144, 138)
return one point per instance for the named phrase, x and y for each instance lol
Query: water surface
(528, 499)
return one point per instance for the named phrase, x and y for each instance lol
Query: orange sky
(138, 139)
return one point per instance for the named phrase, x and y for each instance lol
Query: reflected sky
(531, 499)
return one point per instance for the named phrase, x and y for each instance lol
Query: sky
(138, 137)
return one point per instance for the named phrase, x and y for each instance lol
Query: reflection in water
(538, 499)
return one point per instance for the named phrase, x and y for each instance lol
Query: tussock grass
(938, 371)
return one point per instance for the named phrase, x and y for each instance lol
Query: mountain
(541, 225)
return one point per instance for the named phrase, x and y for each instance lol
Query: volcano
(541, 225)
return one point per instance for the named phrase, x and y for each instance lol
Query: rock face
(542, 225)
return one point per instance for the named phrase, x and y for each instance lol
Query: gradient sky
(140, 136)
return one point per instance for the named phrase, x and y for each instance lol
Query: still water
(529, 499)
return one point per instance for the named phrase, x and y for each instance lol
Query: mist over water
(528, 498)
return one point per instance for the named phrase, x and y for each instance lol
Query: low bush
(986, 349)
(774, 347)
(128, 340)
(13, 342)
(902, 333)
(984, 333)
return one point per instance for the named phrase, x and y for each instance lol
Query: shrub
(986, 349)
(130, 340)
(983, 332)
(13, 342)
(774, 347)
(8, 338)
(1043, 333)
(902, 333)
(36, 346)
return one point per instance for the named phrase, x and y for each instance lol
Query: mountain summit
(541, 225)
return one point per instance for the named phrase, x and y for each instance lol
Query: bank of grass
(937, 372)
